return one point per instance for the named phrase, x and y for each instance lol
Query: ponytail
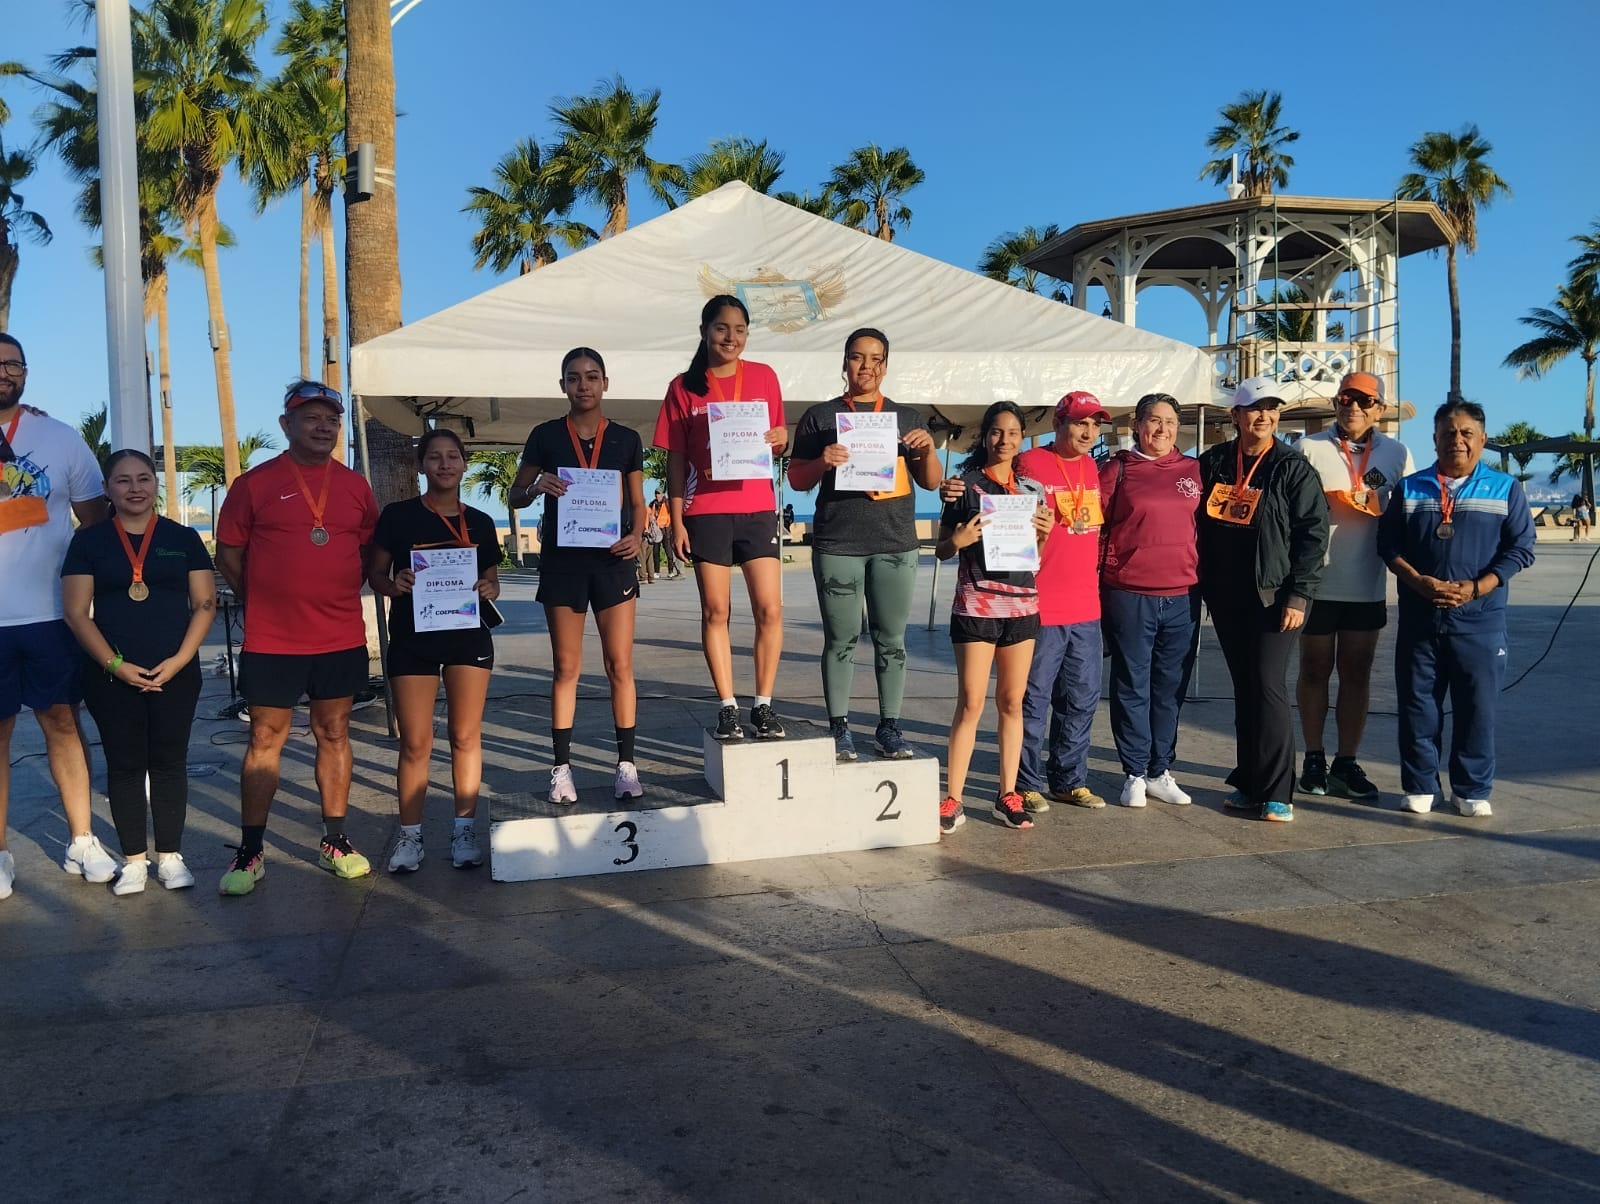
(694, 376)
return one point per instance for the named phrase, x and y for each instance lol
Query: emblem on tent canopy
(777, 302)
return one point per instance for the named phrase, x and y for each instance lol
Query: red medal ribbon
(137, 561)
(321, 504)
(463, 540)
(1447, 503)
(577, 445)
(738, 383)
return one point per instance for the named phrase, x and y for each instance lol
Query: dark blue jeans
(1153, 642)
(1470, 668)
(1063, 689)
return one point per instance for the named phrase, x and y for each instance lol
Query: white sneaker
(464, 850)
(8, 873)
(562, 789)
(86, 857)
(407, 855)
(1417, 804)
(1475, 808)
(171, 872)
(132, 878)
(627, 784)
(1165, 790)
(1132, 792)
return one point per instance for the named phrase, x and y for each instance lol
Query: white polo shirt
(1353, 572)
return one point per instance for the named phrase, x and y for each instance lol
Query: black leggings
(1258, 661)
(144, 734)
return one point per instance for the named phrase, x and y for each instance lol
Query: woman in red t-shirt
(723, 507)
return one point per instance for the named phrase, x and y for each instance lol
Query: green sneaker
(1034, 802)
(243, 873)
(339, 859)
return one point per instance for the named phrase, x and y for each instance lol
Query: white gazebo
(1304, 289)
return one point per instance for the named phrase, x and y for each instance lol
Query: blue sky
(1021, 113)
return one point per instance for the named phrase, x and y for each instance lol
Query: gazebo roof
(1422, 227)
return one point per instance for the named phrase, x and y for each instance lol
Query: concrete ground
(1174, 1004)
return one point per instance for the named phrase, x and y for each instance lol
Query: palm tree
(1520, 432)
(92, 427)
(1576, 464)
(1585, 267)
(521, 221)
(203, 96)
(1292, 325)
(729, 159)
(868, 187)
(17, 221)
(605, 142)
(1571, 326)
(821, 205)
(1251, 124)
(1002, 258)
(372, 233)
(1452, 172)
(493, 472)
(206, 466)
(309, 95)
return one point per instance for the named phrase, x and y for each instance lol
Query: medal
(319, 533)
(1359, 497)
(138, 591)
(1447, 508)
(1445, 530)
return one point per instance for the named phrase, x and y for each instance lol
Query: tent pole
(382, 619)
(933, 589)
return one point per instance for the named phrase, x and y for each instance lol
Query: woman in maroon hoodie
(1149, 596)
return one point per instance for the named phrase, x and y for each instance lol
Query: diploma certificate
(873, 441)
(739, 447)
(589, 513)
(443, 598)
(1010, 544)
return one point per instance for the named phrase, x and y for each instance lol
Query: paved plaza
(1173, 1004)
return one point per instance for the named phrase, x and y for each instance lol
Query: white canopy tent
(959, 341)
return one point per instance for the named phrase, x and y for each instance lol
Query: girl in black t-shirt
(574, 577)
(149, 583)
(462, 656)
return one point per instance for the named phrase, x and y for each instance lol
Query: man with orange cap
(1359, 466)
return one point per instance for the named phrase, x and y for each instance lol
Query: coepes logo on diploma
(589, 513)
(873, 441)
(739, 447)
(445, 595)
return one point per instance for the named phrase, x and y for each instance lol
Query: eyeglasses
(1358, 399)
(15, 369)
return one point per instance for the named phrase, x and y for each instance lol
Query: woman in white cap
(1263, 537)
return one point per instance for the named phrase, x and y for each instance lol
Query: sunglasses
(315, 393)
(1358, 399)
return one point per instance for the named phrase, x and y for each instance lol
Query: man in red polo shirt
(290, 541)
(1064, 683)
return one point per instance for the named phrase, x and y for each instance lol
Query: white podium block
(786, 798)
(753, 770)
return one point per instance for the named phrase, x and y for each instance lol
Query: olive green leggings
(886, 582)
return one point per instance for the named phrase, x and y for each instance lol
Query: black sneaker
(765, 720)
(1346, 780)
(728, 725)
(891, 744)
(844, 744)
(1314, 776)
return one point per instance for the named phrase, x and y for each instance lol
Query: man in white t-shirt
(46, 471)
(1359, 467)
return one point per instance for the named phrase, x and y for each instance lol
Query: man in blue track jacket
(1454, 534)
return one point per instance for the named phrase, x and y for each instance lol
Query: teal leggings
(886, 582)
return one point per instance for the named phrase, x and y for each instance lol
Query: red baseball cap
(1077, 406)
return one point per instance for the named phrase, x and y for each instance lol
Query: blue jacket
(1493, 534)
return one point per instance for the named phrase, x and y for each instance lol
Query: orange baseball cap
(1363, 383)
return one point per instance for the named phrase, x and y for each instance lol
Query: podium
(769, 798)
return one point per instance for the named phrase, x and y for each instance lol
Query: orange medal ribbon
(320, 505)
(1236, 503)
(138, 591)
(1080, 516)
(11, 431)
(463, 540)
(577, 445)
(1447, 509)
(1009, 486)
(877, 403)
(738, 383)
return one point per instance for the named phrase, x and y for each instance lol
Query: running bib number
(1087, 515)
(1232, 504)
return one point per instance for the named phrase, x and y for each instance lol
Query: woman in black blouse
(139, 594)
(463, 655)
